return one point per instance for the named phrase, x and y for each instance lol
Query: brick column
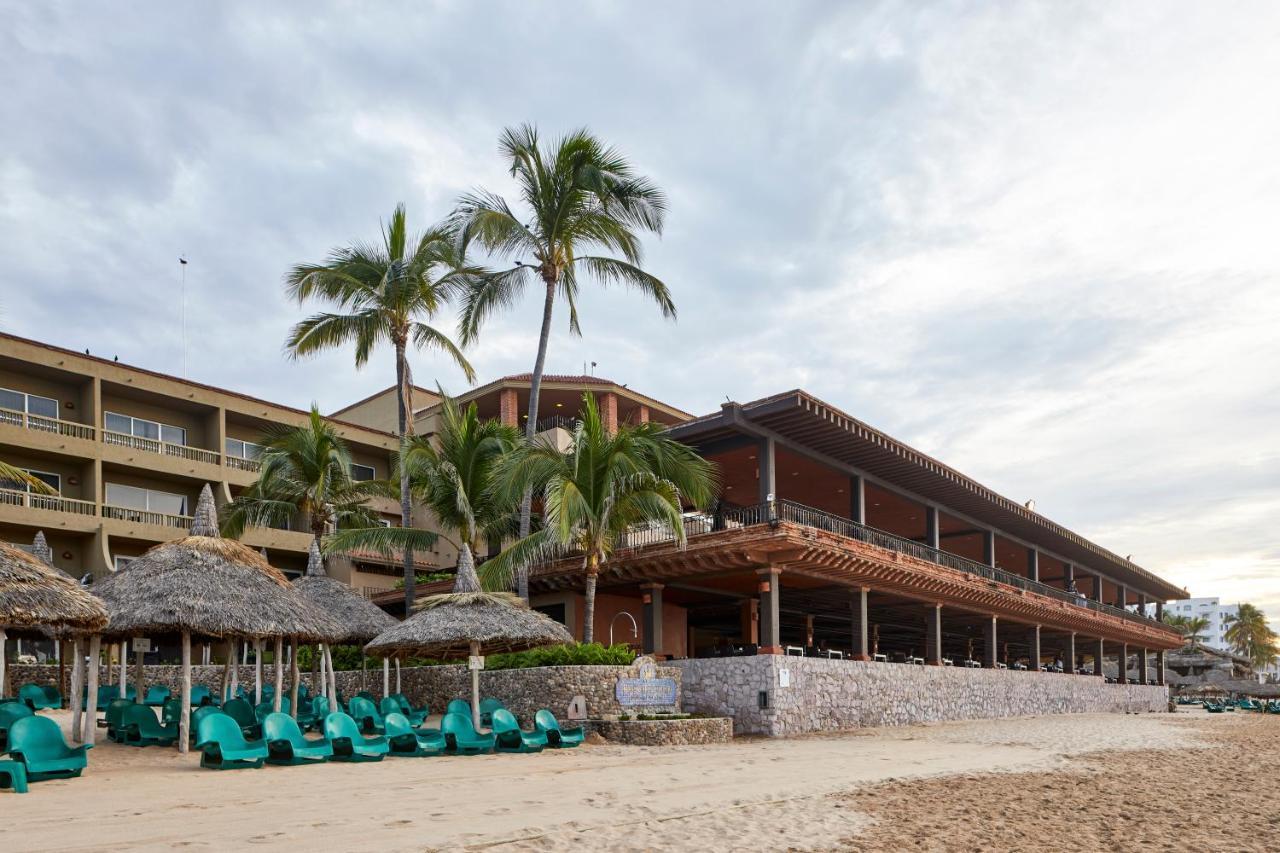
(770, 626)
(1123, 669)
(858, 629)
(609, 411)
(651, 596)
(1033, 654)
(989, 643)
(509, 407)
(642, 414)
(933, 636)
(1069, 654)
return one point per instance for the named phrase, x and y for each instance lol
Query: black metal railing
(553, 421)
(806, 516)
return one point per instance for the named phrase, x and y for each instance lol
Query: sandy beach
(1086, 782)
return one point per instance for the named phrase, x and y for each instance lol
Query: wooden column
(1123, 669)
(858, 628)
(1033, 653)
(651, 598)
(1160, 667)
(184, 721)
(77, 687)
(931, 527)
(1142, 667)
(989, 639)
(293, 677)
(91, 689)
(770, 626)
(139, 676)
(765, 463)
(749, 621)
(857, 499)
(933, 635)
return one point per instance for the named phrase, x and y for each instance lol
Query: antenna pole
(183, 263)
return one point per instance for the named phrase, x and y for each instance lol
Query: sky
(1034, 240)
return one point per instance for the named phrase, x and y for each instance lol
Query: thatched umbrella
(360, 619)
(210, 586)
(35, 596)
(470, 622)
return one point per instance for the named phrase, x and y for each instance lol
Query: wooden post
(138, 677)
(77, 681)
(234, 649)
(3, 673)
(293, 677)
(364, 672)
(257, 671)
(324, 669)
(276, 700)
(316, 686)
(398, 674)
(91, 712)
(386, 676)
(111, 670)
(475, 688)
(62, 664)
(333, 679)
(124, 669)
(184, 721)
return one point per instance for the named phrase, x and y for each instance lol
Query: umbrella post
(386, 676)
(184, 721)
(77, 682)
(137, 674)
(364, 671)
(398, 690)
(257, 671)
(333, 679)
(293, 677)
(124, 669)
(475, 664)
(226, 673)
(4, 639)
(279, 656)
(91, 698)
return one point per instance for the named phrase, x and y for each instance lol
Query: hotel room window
(146, 500)
(142, 428)
(362, 473)
(243, 449)
(31, 404)
(53, 481)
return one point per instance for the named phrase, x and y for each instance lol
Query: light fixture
(559, 405)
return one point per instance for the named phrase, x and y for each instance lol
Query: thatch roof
(209, 586)
(446, 625)
(360, 619)
(40, 548)
(34, 594)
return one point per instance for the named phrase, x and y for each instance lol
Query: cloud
(1034, 243)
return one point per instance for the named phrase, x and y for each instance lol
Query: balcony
(564, 422)
(253, 466)
(804, 516)
(50, 503)
(151, 445)
(40, 423)
(139, 516)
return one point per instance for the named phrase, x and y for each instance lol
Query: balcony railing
(140, 516)
(556, 421)
(151, 445)
(253, 466)
(53, 503)
(40, 423)
(794, 513)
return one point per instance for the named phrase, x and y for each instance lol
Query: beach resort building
(1217, 615)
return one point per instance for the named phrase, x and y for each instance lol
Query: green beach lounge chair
(37, 743)
(462, 738)
(348, 743)
(33, 695)
(403, 739)
(267, 706)
(366, 715)
(157, 695)
(319, 710)
(546, 722)
(243, 713)
(10, 713)
(13, 775)
(113, 716)
(105, 695)
(487, 707)
(53, 697)
(459, 706)
(171, 712)
(287, 745)
(509, 737)
(403, 700)
(141, 728)
(201, 695)
(223, 747)
(391, 705)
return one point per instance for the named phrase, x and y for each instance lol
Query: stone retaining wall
(664, 732)
(826, 695)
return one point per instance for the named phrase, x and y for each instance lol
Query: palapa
(470, 622)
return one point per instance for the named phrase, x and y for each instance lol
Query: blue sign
(645, 688)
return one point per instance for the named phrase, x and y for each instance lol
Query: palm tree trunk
(402, 399)
(589, 611)
(531, 422)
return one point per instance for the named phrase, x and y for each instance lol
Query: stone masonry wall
(664, 732)
(826, 695)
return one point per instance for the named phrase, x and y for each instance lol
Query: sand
(1064, 782)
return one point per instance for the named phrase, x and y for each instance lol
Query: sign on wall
(141, 644)
(642, 687)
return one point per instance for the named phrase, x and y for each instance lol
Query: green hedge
(576, 654)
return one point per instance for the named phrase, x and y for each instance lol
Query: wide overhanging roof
(806, 422)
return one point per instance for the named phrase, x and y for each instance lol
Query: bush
(574, 654)
(424, 577)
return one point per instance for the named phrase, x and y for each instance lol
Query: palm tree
(595, 492)
(1251, 637)
(1192, 628)
(580, 196)
(453, 475)
(11, 475)
(305, 470)
(386, 294)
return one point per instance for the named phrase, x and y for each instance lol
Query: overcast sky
(1036, 241)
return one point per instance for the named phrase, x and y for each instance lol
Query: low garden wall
(826, 695)
(692, 731)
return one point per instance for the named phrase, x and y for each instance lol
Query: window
(146, 500)
(243, 449)
(53, 481)
(362, 473)
(121, 562)
(143, 428)
(32, 404)
(384, 522)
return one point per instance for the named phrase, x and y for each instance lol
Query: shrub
(573, 654)
(424, 577)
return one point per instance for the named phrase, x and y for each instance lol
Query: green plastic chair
(238, 693)
(10, 713)
(391, 705)
(245, 716)
(201, 695)
(319, 710)
(223, 747)
(366, 715)
(287, 745)
(365, 694)
(157, 695)
(53, 697)
(404, 740)
(171, 712)
(33, 695)
(267, 706)
(105, 694)
(141, 728)
(462, 738)
(37, 742)
(113, 716)
(348, 743)
(487, 707)
(13, 775)
(509, 737)
(546, 722)
(459, 706)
